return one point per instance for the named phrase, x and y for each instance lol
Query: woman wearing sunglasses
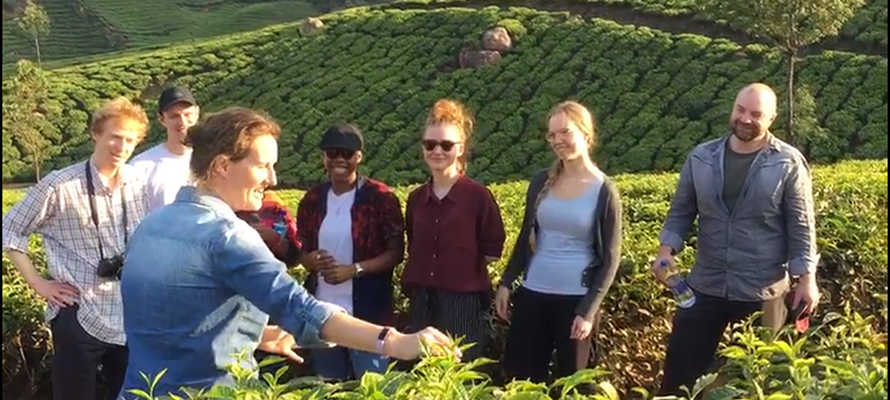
(454, 231)
(352, 232)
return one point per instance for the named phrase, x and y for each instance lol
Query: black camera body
(111, 267)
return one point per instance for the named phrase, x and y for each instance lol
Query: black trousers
(697, 332)
(455, 313)
(540, 323)
(76, 359)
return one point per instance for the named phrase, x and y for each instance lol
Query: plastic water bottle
(677, 283)
(280, 225)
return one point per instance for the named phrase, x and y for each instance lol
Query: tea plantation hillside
(85, 27)
(92, 27)
(655, 94)
(851, 215)
(868, 27)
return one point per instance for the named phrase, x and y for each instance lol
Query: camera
(111, 267)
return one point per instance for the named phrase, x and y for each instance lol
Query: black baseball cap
(342, 136)
(173, 95)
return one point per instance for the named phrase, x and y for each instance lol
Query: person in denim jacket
(285, 246)
(199, 284)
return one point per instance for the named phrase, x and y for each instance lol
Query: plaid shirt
(272, 211)
(58, 209)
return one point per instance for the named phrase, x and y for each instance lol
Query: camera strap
(91, 190)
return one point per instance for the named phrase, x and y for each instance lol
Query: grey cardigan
(607, 244)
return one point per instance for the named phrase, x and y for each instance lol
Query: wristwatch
(358, 269)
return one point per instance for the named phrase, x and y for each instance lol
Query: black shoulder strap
(94, 215)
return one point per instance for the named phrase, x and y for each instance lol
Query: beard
(746, 132)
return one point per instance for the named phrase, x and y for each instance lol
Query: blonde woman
(568, 249)
(454, 231)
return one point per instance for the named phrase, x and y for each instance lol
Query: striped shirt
(58, 209)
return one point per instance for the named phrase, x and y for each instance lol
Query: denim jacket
(747, 253)
(198, 287)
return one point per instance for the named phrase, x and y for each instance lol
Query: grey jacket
(745, 254)
(607, 245)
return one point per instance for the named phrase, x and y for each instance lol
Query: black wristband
(381, 340)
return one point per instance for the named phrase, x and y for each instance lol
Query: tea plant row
(868, 25)
(91, 27)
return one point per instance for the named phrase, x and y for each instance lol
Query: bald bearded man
(752, 195)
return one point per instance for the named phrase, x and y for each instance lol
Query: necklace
(341, 202)
(339, 209)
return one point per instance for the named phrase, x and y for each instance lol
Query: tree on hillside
(809, 132)
(22, 115)
(34, 22)
(790, 24)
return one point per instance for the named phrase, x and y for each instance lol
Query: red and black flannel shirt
(376, 219)
(274, 210)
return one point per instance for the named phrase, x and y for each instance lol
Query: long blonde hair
(583, 119)
(447, 111)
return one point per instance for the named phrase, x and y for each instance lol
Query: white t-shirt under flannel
(58, 209)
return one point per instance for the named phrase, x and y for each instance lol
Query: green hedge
(655, 95)
(851, 207)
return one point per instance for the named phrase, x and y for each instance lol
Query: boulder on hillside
(470, 58)
(497, 39)
(310, 26)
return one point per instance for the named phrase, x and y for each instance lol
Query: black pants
(540, 323)
(76, 359)
(455, 313)
(697, 332)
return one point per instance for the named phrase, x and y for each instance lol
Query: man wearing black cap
(167, 164)
(352, 230)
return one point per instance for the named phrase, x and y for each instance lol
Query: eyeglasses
(430, 145)
(334, 154)
(551, 136)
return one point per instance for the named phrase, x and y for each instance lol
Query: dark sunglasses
(334, 154)
(430, 145)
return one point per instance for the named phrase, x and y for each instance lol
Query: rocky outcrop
(495, 43)
(477, 58)
(497, 39)
(311, 26)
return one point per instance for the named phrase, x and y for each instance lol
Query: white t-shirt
(335, 236)
(166, 173)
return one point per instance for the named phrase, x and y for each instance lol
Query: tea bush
(655, 95)
(843, 357)
(851, 207)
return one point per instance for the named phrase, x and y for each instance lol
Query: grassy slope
(73, 33)
(655, 94)
(88, 27)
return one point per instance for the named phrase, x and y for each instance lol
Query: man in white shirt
(167, 164)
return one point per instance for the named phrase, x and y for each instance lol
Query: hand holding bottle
(665, 258)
